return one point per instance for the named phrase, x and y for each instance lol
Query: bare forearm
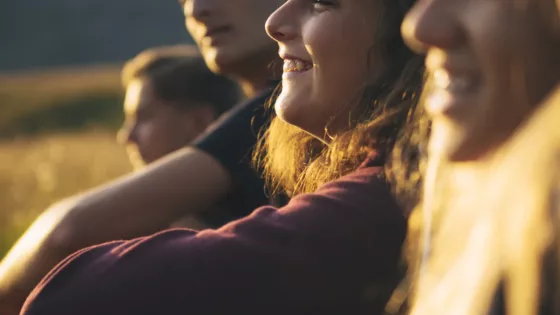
(34, 254)
(135, 205)
(185, 183)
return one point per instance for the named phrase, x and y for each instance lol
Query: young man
(171, 98)
(215, 167)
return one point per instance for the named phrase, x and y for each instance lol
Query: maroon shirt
(320, 254)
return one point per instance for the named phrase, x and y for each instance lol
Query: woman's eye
(323, 3)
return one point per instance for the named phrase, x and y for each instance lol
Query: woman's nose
(282, 25)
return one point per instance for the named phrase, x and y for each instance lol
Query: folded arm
(317, 255)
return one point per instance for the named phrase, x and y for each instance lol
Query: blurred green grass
(57, 138)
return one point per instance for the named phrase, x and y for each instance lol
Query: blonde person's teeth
(300, 66)
(460, 84)
(441, 79)
(444, 81)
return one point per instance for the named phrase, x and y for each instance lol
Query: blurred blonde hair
(501, 226)
(481, 225)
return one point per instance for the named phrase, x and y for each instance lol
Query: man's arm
(185, 183)
(142, 203)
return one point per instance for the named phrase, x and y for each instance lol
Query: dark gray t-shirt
(231, 140)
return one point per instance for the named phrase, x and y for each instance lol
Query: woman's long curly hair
(295, 162)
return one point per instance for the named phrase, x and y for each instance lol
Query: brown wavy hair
(295, 162)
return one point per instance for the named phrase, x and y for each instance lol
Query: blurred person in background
(483, 239)
(348, 87)
(171, 98)
(214, 169)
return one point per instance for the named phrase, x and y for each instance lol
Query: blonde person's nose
(432, 23)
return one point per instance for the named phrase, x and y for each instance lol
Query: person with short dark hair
(215, 169)
(171, 98)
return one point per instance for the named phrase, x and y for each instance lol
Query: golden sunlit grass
(37, 172)
(41, 167)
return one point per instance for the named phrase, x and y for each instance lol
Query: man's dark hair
(179, 75)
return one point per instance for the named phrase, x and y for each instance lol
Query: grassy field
(36, 172)
(56, 138)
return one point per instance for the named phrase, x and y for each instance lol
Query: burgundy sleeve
(317, 255)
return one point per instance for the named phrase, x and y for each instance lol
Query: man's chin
(219, 60)
(231, 61)
(469, 150)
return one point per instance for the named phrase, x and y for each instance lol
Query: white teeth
(441, 79)
(444, 81)
(288, 65)
(293, 65)
(461, 84)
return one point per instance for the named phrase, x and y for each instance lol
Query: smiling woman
(333, 250)
(328, 77)
(347, 100)
(482, 88)
(483, 217)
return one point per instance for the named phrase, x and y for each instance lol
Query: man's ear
(203, 116)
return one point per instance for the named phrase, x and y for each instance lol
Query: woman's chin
(291, 111)
(289, 117)
(287, 109)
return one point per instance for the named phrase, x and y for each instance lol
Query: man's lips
(213, 31)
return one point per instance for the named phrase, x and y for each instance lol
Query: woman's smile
(294, 67)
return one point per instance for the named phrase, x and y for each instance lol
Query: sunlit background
(60, 96)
